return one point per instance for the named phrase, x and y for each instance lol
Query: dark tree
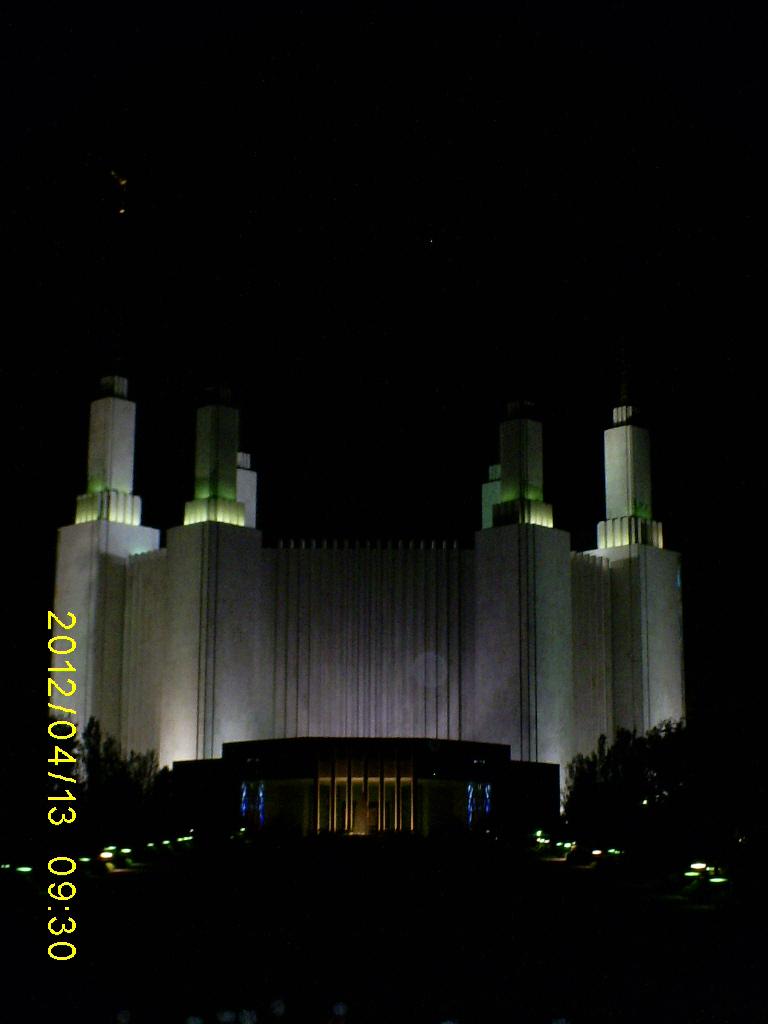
(642, 793)
(124, 797)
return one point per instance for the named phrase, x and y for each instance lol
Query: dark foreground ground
(398, 931)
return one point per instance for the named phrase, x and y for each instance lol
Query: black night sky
(376, 229)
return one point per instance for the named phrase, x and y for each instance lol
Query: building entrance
(365, 794)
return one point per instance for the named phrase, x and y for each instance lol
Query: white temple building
(216, 638)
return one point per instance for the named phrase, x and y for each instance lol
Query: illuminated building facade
(217, 639)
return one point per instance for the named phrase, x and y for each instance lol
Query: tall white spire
(515, 489)
(111, 441)
(628, 514)
(216, 469)
(92, 575)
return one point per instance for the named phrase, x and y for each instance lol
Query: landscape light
(105, 855)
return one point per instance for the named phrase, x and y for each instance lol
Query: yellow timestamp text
(62, 730)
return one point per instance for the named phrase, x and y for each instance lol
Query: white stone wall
(592, 651)
(309, 641)
(90, 581)
(663, 612)
(144, 650)
(218, 641)
(368, 642)
(554, 652)
(523, 670)
(647, 636)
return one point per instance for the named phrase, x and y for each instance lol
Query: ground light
(700, 869)
(106, 855)
(697, 870)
